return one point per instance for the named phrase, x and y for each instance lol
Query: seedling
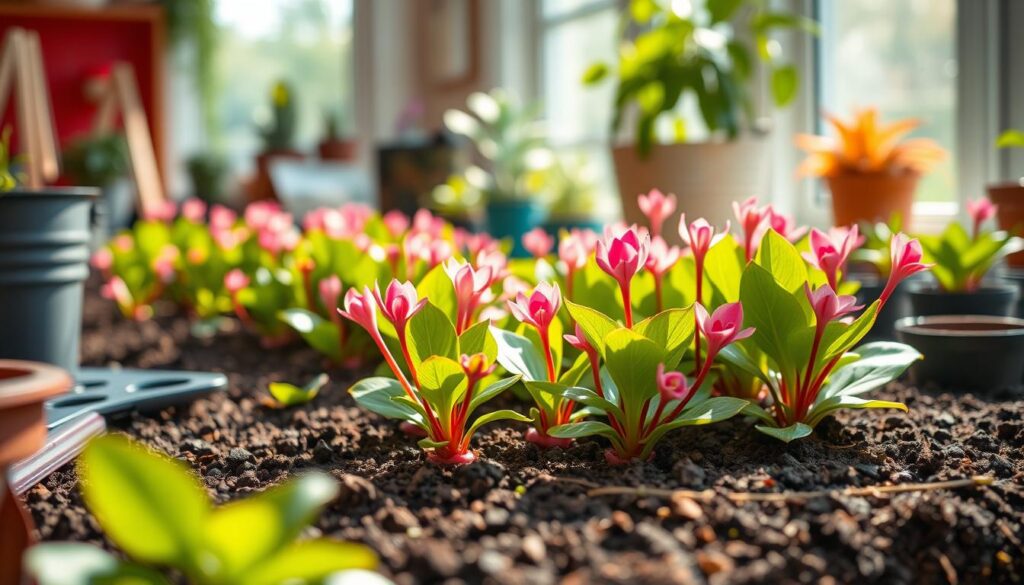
(446, 377)
(286, 394)
(963, 259)
(160, 516)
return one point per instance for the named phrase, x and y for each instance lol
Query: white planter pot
(706, 178)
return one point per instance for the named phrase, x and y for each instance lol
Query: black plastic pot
(44, 259)
(871, 287)
(995, 297)
(1016, 276)
(966, 352)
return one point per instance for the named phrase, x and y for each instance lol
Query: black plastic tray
(113, 392)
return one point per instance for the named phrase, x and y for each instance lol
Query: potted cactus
(278, 137)
(871, 173)
(333, 146)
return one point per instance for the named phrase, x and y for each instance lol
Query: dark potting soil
(520, 515)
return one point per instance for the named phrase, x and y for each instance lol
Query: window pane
(305, 42)
(555, 8)
(898, 55)
(576, 112)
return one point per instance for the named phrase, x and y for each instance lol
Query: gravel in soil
(521, 515)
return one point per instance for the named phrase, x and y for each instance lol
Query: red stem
(627, 304)
(657, 293)
(402, 341)
(548, 358)
(693, 390)
(699, 262)
(434, 425)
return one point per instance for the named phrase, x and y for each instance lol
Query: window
(305, 42)
(901, 56)
(574, 34)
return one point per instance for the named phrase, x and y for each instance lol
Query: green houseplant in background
(511, 143)
(334, 146)
(101, 161)
(278, 135)
(457, 200)
(710, 52)
(572, 183)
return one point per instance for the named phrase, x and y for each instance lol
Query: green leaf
(672, 330)
(595, 73)
(1011, 139)
(824, 407)
(310, 561)
(442, 385)
(722, 10)
(546, 395)
(133, 491)
(431, 333)
(74, 563)
(781, 258)
(518, 355)
(575, 373)
(588, 397)
(643, 11)
(477, 339)
(595, 324)
(290, 395)
(488, 393)
(632, 361)
(587, 428)
(319, 333)
(787, 434)
(776, 315)
(785, 80)
(378, 396)
(495, 416)
(438, 287)
(879, 363)
(269, 522)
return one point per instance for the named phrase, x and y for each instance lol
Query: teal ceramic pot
(44, 260)
(554, 224)
(511, 218)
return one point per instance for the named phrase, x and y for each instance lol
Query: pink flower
(657, 207)
(361, 308)
(671, 385)
(163, 211)
(722, 327)
(905, 254)
(117, 290)
(425, 222)
(538, 242)
(980, 210)
(476, 243)
(396, 222)
(830, 251)
(827, 306)
(471, 287)
(222, 218)
(102, 260)
(330, 291)
(700, 236)
(124, 243)
(579, 341)
(750, 218)
(572, 250)
(163, 264)
(259, 214)
(438, 251)
(235, 280)
(476, 367)
(399, 302)
(623, 256)
(496, 260)
(540, 308)
(194, 210)
(662, 257)
(784, 225)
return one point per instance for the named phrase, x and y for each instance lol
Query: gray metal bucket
(44, 260)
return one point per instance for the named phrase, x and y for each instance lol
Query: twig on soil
(594, 490)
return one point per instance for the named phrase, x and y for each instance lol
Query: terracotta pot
(706, 178)
(1010, 215)
(262, 186)
(337, 150)
(872, 197)
(24, 386)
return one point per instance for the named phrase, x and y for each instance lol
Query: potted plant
(1009, 196)
(44, 252)
(458, 201)
(208, 172)
(24, 386)
(102, 161)
(508, 138)
(961, 262)
(573, 187)
(871, 172)
(870, 266)
(706, 52)
(278, 136)
(333, 146)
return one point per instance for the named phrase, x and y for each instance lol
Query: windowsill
(931, 217)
